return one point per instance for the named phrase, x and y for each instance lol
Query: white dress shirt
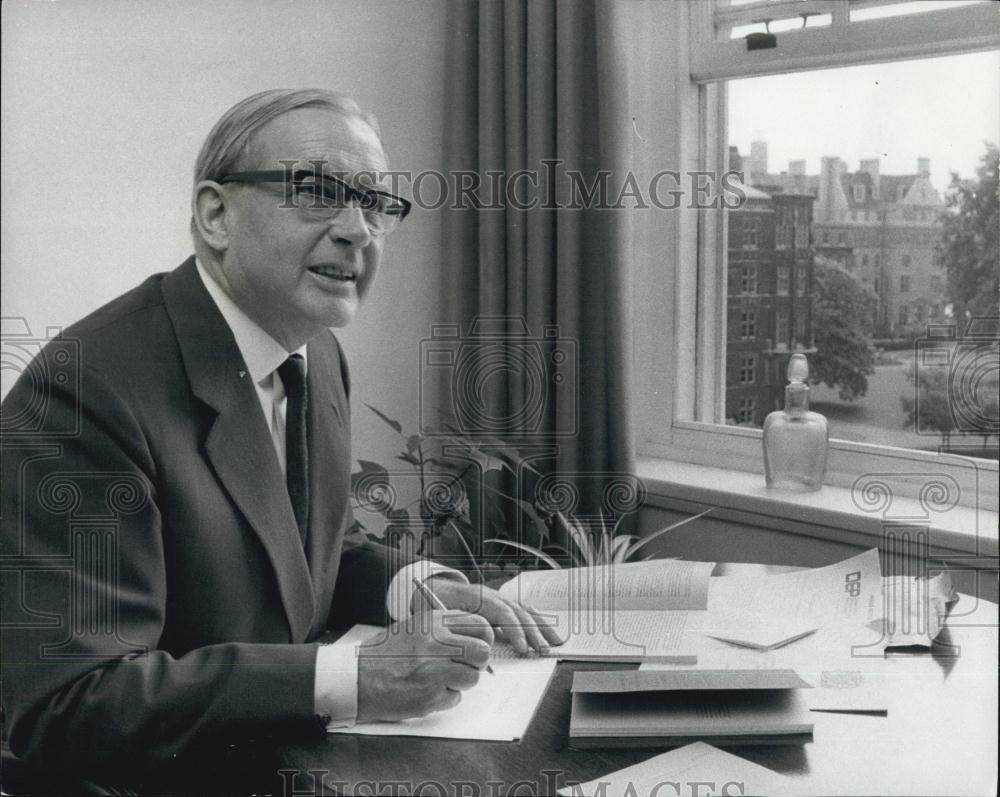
(336, 683)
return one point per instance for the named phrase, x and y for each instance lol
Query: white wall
(106, 102)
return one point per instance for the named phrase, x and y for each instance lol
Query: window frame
(676, 418)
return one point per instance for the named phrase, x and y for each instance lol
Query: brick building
(769, 299)
(883, 228)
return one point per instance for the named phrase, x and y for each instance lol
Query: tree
(843, 313)
(969, 247)
(927, 408)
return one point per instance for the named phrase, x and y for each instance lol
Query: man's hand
(525, 628)
(421, 665)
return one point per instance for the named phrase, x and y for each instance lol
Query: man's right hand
(421, 665)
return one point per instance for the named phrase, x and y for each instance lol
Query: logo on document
(852, 583)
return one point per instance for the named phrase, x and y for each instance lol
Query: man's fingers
(474, 653)
(469, 625)
(532, 632)
(511, 627)
(446, 699)
(547, 625)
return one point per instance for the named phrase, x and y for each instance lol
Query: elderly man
(196, 472)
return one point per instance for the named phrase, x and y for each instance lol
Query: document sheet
(697, 768)
(498, 708)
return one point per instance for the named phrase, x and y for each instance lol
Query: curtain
(538, 87)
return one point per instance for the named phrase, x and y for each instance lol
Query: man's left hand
(523, 627)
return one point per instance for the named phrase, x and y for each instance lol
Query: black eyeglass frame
(366, 199)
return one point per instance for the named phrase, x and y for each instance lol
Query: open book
(624, 612)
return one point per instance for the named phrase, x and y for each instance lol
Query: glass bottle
(796, 440)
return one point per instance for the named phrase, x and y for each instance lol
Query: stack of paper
(656, 707)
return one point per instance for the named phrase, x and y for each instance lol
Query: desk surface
(939, 737)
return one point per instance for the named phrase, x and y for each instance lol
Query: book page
(666, 584)
(623, 636)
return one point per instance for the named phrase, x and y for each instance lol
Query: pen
(437, 603)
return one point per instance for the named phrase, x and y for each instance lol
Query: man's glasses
(323, 196)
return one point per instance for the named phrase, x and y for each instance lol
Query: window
(750, 233)
(784, 280)
(859, 195)
(781, 327)
(801, 338)
(904, 315)
(904, 283)
(748, 279)
(726, 81)
(748, 325)
(747, 407)
(748, 367)
(801, 280)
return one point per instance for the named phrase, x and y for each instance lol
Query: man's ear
(208, 213)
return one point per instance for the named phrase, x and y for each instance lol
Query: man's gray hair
(228, 141)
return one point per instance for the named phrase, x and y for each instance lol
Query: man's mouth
(334, 273)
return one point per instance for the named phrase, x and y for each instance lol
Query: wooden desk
(939, 738)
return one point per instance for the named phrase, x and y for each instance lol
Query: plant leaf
(409, 458)
(413, 443)
(580, 538)
(530, 549)
(619, 548)
(636, 546)
(394, 424)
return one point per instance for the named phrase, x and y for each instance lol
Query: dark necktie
(293, 376)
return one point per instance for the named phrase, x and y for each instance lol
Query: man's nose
(349, 227)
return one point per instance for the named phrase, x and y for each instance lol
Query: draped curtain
(538, 87)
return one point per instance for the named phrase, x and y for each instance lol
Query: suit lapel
(329, 467)
(238, 444)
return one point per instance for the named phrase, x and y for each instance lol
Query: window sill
(833, 513)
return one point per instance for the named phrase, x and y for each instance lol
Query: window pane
(839, 249)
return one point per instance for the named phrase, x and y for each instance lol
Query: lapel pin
(242, 374)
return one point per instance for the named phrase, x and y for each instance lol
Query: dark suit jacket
(157, 593)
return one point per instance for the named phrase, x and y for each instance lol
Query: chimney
(831, 201)
(870, 167)
(736, 163)
(758, 157)
(924, 167)
(797, 168)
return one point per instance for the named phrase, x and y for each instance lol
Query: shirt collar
(261, 353)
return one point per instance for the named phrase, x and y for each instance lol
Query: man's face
(292, 273)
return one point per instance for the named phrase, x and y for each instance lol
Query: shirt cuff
(401, 588)
(336, 689)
